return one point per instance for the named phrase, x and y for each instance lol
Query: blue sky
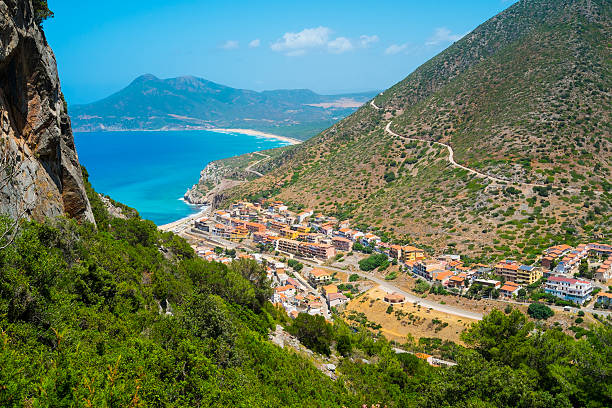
(328, 46)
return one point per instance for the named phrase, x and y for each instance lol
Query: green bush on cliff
(41, 11)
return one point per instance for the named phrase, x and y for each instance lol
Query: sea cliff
(41, 174)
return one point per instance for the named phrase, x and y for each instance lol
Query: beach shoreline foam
(252, 132)
(248, 132)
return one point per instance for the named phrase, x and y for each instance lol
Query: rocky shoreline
(214, 180)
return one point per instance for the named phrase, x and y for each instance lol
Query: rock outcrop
(214, 180)
(36, 140)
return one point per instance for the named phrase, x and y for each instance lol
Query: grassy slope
(525, 97)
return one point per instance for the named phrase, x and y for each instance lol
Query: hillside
(524, 103)
(188, 102)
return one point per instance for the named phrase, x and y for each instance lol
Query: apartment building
(508, 270)
(527, 274)
(427, 267)
(573, 290)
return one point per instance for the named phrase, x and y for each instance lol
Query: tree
(374, 261)
(344, 345)
(539, 311)
(584, 271)
(522, 293)
(41, 11)
(354, 277)
(313, 331)
(499, 336)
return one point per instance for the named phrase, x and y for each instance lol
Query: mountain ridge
(527, 105)
(189, 102)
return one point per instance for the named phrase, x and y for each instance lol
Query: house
(303, 215)
(426, 267)
(342, 244)
(329, 289)
(458, 281)
(287, 290)
(442, 277)
(344, 232)
(336, 299)
(599, 249)
(319, 276)
(488, 282)
(326, 229)
(395, 251)
(507, 269)
(220, 230)
(604, 272)
(202, 225)
(370, 239)
(528, 274)
(573, 290)
(510, 289)
(394, 298)
(604, 299)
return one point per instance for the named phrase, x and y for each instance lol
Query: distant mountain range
(187, 102)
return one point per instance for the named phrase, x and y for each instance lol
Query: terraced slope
(524, 98)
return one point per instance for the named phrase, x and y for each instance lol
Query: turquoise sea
(150, 171)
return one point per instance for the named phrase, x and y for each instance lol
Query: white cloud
(340, 45)
(395, 49)
(297, 43)
(230, 45)
(255, 43)
(443, 35)
(367, 40)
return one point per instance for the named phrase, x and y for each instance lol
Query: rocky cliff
(41, 175)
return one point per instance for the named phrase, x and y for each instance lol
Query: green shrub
(539, 311)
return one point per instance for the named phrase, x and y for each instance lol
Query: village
(317, 264)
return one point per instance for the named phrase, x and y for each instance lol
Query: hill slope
(188, 102)
(524, 98)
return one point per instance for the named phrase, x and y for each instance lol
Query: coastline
(252, 132)
(248, 132)
(204, 211)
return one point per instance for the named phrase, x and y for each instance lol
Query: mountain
(40, 174)
(523, 104)
(189, 102)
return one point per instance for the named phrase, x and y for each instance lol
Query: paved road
(374, 105)
(388, 286)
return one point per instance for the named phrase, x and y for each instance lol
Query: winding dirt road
(250, 166)
(451, 156)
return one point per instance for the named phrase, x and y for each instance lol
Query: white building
(573, 290)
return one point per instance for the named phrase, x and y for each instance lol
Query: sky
(331, 46)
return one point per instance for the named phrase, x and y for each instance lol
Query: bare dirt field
(406, 318)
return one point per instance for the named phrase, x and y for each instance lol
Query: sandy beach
(252, 132)
(204, 212)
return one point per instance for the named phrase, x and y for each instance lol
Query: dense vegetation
(124, 315)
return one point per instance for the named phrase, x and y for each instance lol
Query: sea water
(151, 170)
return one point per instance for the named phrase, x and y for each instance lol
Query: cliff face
(36, 139)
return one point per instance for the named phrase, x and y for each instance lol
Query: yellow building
(410, 253)
(528, 274)
(238, 234)
(287, 233)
